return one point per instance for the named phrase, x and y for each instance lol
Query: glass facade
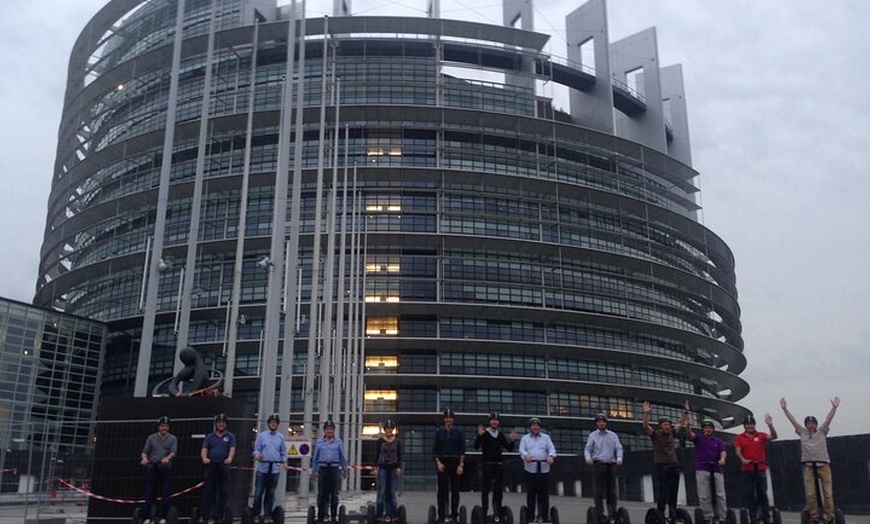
(50, 366)
(500, 253)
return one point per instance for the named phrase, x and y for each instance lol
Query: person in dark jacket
(492, 442)
(449, 452)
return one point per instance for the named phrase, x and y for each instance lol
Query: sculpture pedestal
(123, 425)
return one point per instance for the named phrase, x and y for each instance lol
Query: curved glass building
(436, 214)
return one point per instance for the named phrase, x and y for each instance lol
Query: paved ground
(571, 510)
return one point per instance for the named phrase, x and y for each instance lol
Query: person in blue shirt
(538, 453)
(329, 466)
(603, 452)
(218, 452)
(270, 452)
(449, 452)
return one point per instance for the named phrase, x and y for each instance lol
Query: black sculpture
(193, 373)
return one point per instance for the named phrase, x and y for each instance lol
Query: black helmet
(534, 420)
(273, 417)
(163, 420)
(389, 423)
(329, 424)
(448, 413)
(601, 416)
(221, 417)
(494, 416)
(749, 420)
(708, 422)
(810, 418)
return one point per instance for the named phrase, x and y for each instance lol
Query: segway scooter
(432, 517)
(171, 515)
(505, 516)
(730, 514)
(775, 515)
(593, 516)
(277, 512)
(839, 516)
(654, 516)
(524, 511)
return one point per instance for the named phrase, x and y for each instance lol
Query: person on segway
(665, 458)
(270, 451)
(710, 454)
(603, 452)
(538, 453)
(157, 454)
(815, 459)
(389, 465)
(751, 448)
(328, 465)
(218, 452)
(492, 442)
(449, 452)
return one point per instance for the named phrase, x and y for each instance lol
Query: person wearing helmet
(329, 466)
(665, 457)
(270, 453)
(157, 454)
(710, 454)
(449, 452)
(217, 453)
(814, 456)
(491, 441)
(603, 452)
(537, 453)
(389, 463)
(751, 448)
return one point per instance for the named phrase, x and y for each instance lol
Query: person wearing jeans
(157, 454)
(329, 465)
(270, 452)
(389, 464)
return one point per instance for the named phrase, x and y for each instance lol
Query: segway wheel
(247, 515)
(403, 515)
(554, 515)
(683, 516)
(477, 515)
(592, 516)
(432, 515)
(278, 515)
(805, 517)
(653, 516)
(839, 516)
(463, 515)
(311, 516)
(699, 516)
(507, 516)
(228, 517)
(194, 515)
(744, 516)
(622, 516)
(731, 517)
(172, 515)
(371, 517)
(137, 516)
(524, 515)
(342, 514)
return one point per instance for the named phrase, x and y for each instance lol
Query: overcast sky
(779, 111)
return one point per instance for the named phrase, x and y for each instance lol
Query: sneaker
(495, 519)
(147, 521)
(161, 521)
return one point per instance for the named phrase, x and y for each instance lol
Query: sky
(779, 116)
